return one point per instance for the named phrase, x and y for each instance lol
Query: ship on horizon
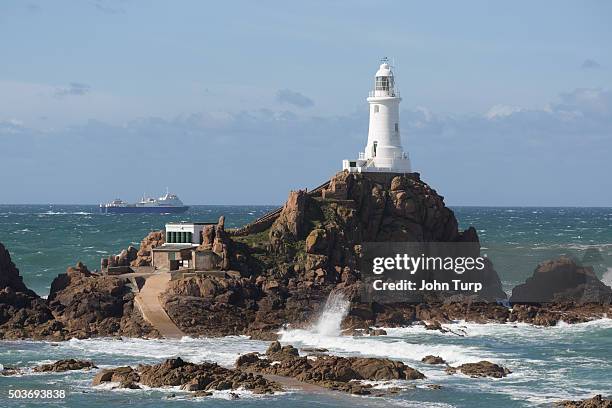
(168, 203)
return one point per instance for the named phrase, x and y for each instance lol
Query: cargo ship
(168, 203)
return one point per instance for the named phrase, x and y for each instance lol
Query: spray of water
(607, 277)
(335, 310)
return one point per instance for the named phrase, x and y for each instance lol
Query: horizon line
(280, 205)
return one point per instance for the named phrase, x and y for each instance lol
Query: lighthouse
(383, 152)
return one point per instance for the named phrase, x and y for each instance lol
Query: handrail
(390, 93)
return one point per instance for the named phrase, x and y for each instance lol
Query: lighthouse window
(375, 108)
(396, 127)
(382, 83)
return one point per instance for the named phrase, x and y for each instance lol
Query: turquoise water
(45, 239)
(547, 363)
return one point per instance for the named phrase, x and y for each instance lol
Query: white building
(383, 152)
(180, 233)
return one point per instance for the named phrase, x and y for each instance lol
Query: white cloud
(501, 111)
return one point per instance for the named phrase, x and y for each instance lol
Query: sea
(547, 363)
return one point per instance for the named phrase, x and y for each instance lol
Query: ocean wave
(384, 346)
(525, 331)
(222, 350)
(65, 213)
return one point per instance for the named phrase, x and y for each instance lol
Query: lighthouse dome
(384, 70)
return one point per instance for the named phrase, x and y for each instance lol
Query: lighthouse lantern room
(383, 152)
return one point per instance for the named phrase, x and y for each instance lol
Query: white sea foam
(223, 350)
(607, 277)
(403, 349)
(525, 331)
(65, 213)
(326, 334)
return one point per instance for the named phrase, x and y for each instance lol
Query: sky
(238, 102)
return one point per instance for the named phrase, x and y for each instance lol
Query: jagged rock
(8, 371)
(317, 241)
(596, 402)
(23, 314)
(92, 305)
(562, 280)
(102, 376)
(129, 385)
(433, 360)
(66, 365)
(480, 369)
(9, 274)
(204, 376)
(290, 226)
(124, 375)
(338, 373)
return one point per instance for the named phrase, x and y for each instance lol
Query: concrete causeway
(149, 304)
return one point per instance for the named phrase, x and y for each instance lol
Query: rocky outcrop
(322, 237)
(551, 313)
(596, 402)
(480, 369)
(336, 373)
(231, 306)
(8, 371)
(188, 376)
(314, 247)
(9, 274)
(562, 280)
(89, 305)
(433, 360)
(124, 375)
(23, 314)
(65, 365)
(80, 304)
(290, 226)
(144, 255)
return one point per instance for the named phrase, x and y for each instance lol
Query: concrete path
(151, 308)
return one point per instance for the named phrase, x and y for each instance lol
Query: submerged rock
(433, 360)
(480, 369)
(66, 365)
(8, 371)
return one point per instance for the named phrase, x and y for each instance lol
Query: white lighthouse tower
(383, 152)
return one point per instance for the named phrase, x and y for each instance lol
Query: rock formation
(202, 378)
(336, 373)
(135, 257)
(23, 314)
(80, 304)
(65, 365)
(90, 305)
(596, 402)
(480, 369)
(562, 280)
(433, 360)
